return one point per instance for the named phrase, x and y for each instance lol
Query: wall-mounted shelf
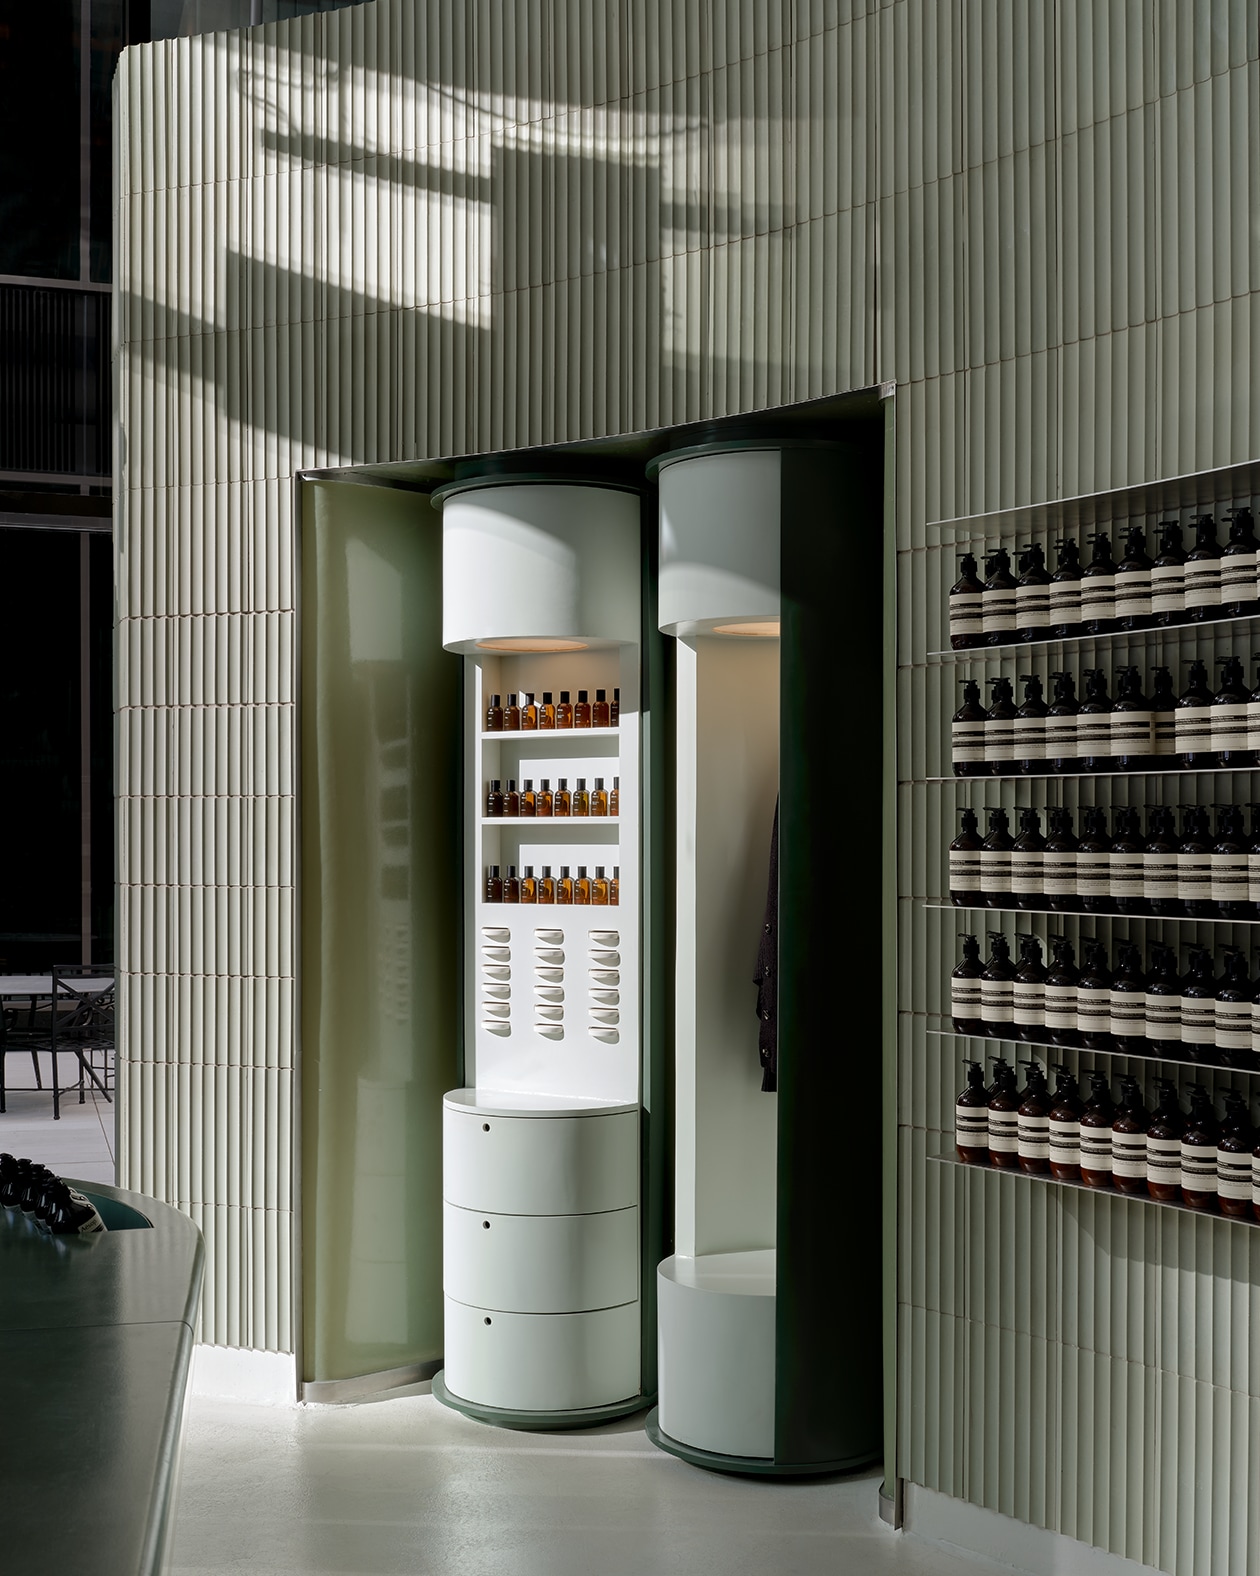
(1103, 1192)
(552, 736)
(573, 824)
(1117, 636)
(1083, 913)
(1194, 490)
(1035, 777)
(1085, 1050)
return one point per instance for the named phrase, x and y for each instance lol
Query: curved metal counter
(96, 1337)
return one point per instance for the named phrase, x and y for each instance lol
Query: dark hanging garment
(766, 978)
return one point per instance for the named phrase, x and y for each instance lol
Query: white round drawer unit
(525, 1362)
(541, 1263)
(512, 1163)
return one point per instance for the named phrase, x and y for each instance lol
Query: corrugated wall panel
(397, 231)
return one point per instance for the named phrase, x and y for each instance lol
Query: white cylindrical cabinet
(541, 1263)
(585, 1164)
(521, 1362)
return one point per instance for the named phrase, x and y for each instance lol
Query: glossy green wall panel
(379, 923)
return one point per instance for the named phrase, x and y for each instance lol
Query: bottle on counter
(1062, 978)
(511, 886)
(494, 798)
(1128, 1139)
(1093, 724)
(1132, 723)
(512, 715)
(1028, 995)
(1098, 588)
(1127, 1024)
(1062, 754)
(1194, 864)
(1093, 997)
(1203, 573)
(1163, 720)
(1231, 718)
(1127, 862)
(1168, 578)
(997, 989)
(999, 731)
(1159, 862)
(1096, 1123)
(967, 733)
(964, 989)
(1240, 560)
(1233, 1158)
(494, 714)
(1032, 595)
(1198, 1007)
(600, 711)
(1065, 592)
(1162, 1011)
(564, 711)
(1027, 863)
(995, 862)
(582, 711)
(1064, 1128)
(1133, 582)
(1003, 1118)
(494, 886)
(1058, 862)
(1032, 1123)
(964, 863)
(1234, 995)
(997, 605)
(1093, 863)
(971, 1118)
(1230, 874)
(1194, 721)
(1030, 729)
(1198, 1152)
(1163, 1144)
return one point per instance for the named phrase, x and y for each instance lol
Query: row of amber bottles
(544, 801)
(598, 891)
(525, 714)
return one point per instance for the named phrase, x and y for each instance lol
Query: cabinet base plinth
(502, 1417)
(748, 1466)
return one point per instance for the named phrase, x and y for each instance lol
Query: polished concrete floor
(80, 1144)
(403, 1485)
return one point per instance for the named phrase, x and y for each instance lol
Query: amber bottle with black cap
(1132, 723)
(1168, 578)
(1093, 997)
(1062, 978)
(997, 605)
(1093, 863)
(967, 733)
(1198, 1007)
(1203, 573)
(1198, 1152)
(1162, 1011)
(1062, 752)
(1027, 867)
(1128, 1139)
(600, 713)
(1098, 588)
(999, 730)
(511, 716)
(1059, 862)
(1030, 729)
(997, 989)
(1028, 994)
(1234, 992)
(529, 713)
(1193, 721)
(964, 863)
(494, 714)
(1231, 719)
(494, 798)
(1032, 595)
(1163, 1144)
(1127, 1024)
(1096, 1122)
(1065, 592)
(547, 713)
(995, 861)
(1093, 724)
(1033, 1123)
(964, 989)
(1230, 872)
(1133, 582)
(971, 1118)
(1159, 862)
(1127, 862)
(494, 886)
(1240, 559)
(1163, 720)
(511, 886)
(1233, 1158)
(1064, 1128)
(1194, 864)
(1003, 1118)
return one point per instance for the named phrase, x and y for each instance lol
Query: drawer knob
(485, 1224)
(487, 1319)
(485, 1127)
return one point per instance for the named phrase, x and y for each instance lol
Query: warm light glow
(539, 644)
(761, 628)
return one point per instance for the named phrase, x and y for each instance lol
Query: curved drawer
(567, 1165)
(540, 1263)
(542, 1362)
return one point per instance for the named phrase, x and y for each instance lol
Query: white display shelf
(1085, 1050)
(516, 1102)
(579, 823)
(1097, 1192)
(552, 736)
(1062, 777)
(1117, 636)
(1084, 913)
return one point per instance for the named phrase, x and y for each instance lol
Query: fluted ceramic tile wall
(407, 230)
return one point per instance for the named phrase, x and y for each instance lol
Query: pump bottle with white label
(995, 862)
(1194, 864)
(966, 627)
(1003, 1118)
(1128, 1139)
(964, 863)
(1233, 1158)
(997, 989)
(967, 728)
(1159, 862)
(1065, 1128)
(1240, 559)
(1096, 1121)
(1062, 979)
(1030, 729)
(1098, 588)
(1093, 863)
(1198, 1007)
(1028, 997)
(1194, 721)
(1162, 1015)
(1028, 863)
(1168, 578)
(1253, 864)
(1033, 1123)
(1128, 1001)
(1062, 754)
(1132, 723)
(1163, 721)
(971, 1119)
(1032, 595)
(1231, 718)
(1093, 724)
(1203, 573)
(1133, 582)
(964, 989)
(1198, 1152)
(1093, 997)
(1232, 1033)
(1230, 870)
(1059, 878)
(999, 730)
(1127, 862)
(1065, 592)
(997, 605)
(1163, 1144)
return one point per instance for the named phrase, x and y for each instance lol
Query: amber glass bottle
(600, 710)
(564, 711)
(614, 797)
(614, 709)
(599, 798)
(529, 713)
(544, 799)
(529, 885)
(1033, 1123)
(561, 803)
(494, 715)
(582, 711)
(581, 888)
(529, 799)
(494, 885)
(581, 799)
(547, 712)
(1128, 1139)
(511, 716)
(1096, 1120)
(564, 886)
(1163, 1144)
(1198, 1152)
(511, 886)
(614, 887)
(1065, 1128)
(1004, 1118)
(1233, 1158)
(971, 1119)
(511, 799)
(546, 885)
(494, 798)
(599, 888)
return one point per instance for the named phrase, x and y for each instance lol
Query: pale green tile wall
(406, 230)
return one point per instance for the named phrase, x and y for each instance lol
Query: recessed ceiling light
(758, 628)
(539, 644)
